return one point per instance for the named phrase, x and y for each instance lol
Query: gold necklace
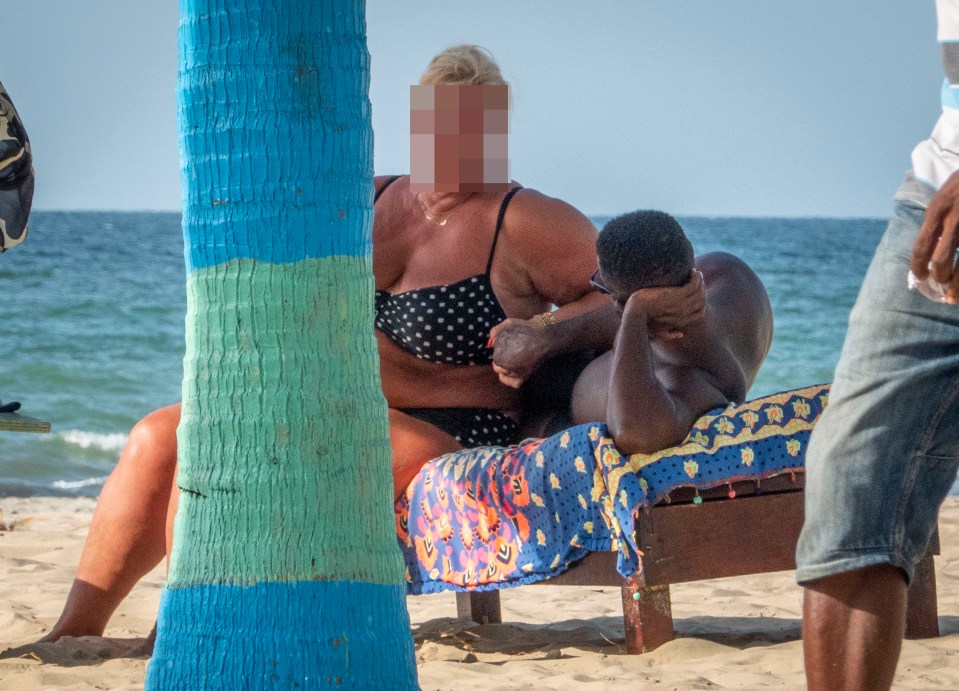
(433, 219)
(429, 216)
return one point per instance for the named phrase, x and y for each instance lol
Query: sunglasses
(598, 284)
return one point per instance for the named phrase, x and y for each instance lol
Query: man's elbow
(646, 441)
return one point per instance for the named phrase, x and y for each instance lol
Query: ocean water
(92, 309)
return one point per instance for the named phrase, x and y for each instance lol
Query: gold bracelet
(545, 319)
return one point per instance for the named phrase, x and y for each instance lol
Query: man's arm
(554, 246)
(934, 251)
(521, 345)
(643, 414)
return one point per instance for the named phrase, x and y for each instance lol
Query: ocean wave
(86, 440)
(77, 484)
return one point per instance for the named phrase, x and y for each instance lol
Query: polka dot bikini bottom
(470, 426)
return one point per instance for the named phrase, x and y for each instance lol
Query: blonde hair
(463, 64)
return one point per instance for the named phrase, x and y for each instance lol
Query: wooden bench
(720, 537)
(14, 422)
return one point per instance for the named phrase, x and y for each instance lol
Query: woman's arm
(555, 247)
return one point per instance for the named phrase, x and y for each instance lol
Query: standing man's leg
(853, 625)
(880, 463)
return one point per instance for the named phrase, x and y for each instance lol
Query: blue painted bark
(285, 572)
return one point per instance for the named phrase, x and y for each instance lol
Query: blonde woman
(459, 261)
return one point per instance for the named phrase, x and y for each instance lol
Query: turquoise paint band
(267, 412)
(277, 163)
(334, 635)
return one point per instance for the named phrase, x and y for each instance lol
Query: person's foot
(57, 632)
(86, 613)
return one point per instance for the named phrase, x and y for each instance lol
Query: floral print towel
(494, 517)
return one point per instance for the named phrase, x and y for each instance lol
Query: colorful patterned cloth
(494, 517)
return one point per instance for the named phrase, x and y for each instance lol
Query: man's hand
(934, 251)
(519, 347)
(669, 311)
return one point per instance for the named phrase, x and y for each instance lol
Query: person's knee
(413, 443)
(407, 432)
(153, 439)
(868, 583)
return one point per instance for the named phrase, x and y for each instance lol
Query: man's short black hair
(644, 249)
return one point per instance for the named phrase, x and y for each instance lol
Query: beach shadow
(450, 638)
(740, 632)
(465, 637)
(81, 652)
(948, 625)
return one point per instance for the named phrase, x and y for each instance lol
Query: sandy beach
(731, 633)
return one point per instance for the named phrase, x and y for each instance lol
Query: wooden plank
(596, 569)
(715, 539)
(647, 621)
(599, 568)
(14, 422)
(922, 608)
(721, 538)
(933, 546)
(482, 607)
(787, 482)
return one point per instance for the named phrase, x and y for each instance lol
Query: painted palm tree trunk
(286, 571)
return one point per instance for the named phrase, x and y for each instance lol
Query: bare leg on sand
(853, 624)
(127, 537)
(132, 527)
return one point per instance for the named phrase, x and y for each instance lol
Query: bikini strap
(499, 225)
(381, 190)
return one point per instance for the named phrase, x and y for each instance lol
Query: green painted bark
(256, 362)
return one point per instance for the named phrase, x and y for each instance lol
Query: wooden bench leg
(922, 611)
(481, 607)
(649, 620)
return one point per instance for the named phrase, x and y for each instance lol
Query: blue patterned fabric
(494, 517)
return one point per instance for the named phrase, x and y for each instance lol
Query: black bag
(16, 175)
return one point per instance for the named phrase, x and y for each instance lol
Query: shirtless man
(691, 337)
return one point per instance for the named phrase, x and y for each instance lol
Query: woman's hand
(519, 347)
(670, 311)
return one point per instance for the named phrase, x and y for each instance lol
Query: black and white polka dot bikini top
(448, 324)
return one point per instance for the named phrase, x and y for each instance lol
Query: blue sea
(92, 311)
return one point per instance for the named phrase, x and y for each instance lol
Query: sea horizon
(591, 216)
(95, 305)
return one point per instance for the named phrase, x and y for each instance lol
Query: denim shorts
(885, 453)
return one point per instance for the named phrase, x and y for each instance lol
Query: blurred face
(458, 138)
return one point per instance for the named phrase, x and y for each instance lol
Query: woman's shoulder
(532, 212)
(381, 182)
(533, 201)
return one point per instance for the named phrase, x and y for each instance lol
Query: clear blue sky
(745, 107)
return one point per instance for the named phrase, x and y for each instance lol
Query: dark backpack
(16, 175)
